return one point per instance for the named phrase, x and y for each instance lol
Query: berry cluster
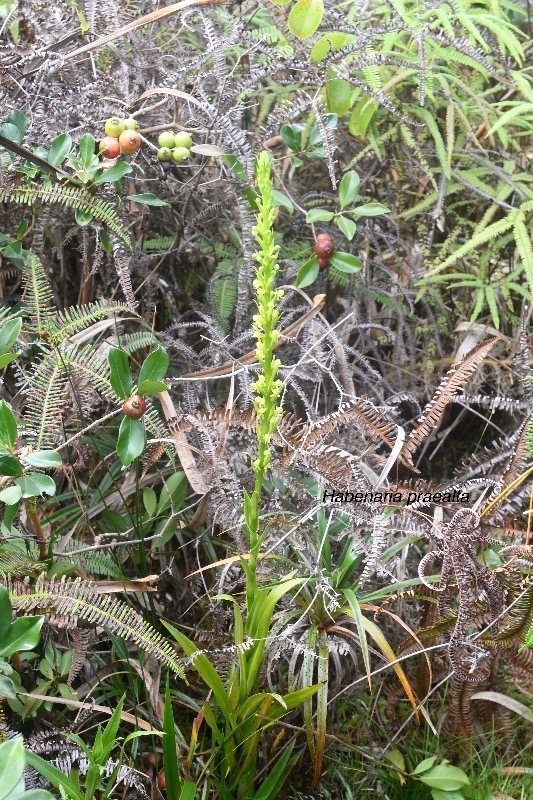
(121, 136)
(324, 248)
(174, 146)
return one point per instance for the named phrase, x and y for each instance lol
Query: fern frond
(69, 196)
(455, 378)
(525, 249)
(131, 342)
(519, 628)
(76, 318)
(66, 600)
(436, 135)
(47, 398)
(37, 294)
(17, 564)
(491, 232)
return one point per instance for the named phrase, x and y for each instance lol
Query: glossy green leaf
(130, 442)
(396, 759)
(439, 794)
(43, 459)
(20, 121)
(347, 226)
(120, 378)
(151, 387)
(46, 669)
(82, 217)
(34, 484)
(308, 273)
(10, 466)
(7, 358)
(7, 689)
(304, 18)
(59, 149)
(349, 188)
(22, 229)
(8, 425)
(114, 173)
(23, 634)
(11, 495)
(147, 199)
(12, 763)
(338, 95)
(110, 731)
(281, 200)
(154, 366)
(87, 147)
(327, 44)
(9, 333)
(149, 500)
(370, 210)
(445, 777)
(170, 755)
(292, 136)
(345, 262)
(319, 215)
(12, 133)
(5, 613)
(424, 765)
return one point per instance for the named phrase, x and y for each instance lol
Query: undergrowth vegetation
(266, 407)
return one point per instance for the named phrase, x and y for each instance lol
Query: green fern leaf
(525, 250)
(69, 196)
(491, 232)
(436, 135)
(69, 600)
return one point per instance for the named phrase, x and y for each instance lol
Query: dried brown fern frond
(453, 381)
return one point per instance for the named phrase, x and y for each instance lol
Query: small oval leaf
(151, 387)
(345, 262)
(120, 378)
(59, 149)
(130, 442)
(10, 466)
(8, 425)
(370, 210)
(319, 215)
(305, 17)
(308, 273)
(147, 199)
(154, 366)
(113, 174)
(349, 188)
(43, 459)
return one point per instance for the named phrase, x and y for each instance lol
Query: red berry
(152, 759)
(129, 141)
(134, 406)
(109, 147)
(162, 781)
(323, 263)
(324, 246)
